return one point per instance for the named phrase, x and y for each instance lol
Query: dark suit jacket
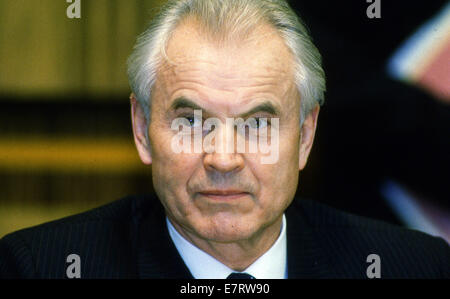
(129, 239)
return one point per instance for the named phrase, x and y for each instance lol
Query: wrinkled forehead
(261, 49)
(229, 77)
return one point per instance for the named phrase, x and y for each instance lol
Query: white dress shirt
(271, 265)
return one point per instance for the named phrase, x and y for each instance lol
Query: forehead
(261, 53)
(227, 77)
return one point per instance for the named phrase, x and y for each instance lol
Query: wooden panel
(68, 155)
(45, 53)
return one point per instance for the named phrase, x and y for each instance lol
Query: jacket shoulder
(404, 253)
(101, 234)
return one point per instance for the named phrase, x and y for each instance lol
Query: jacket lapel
(157, 256)
(306, 258)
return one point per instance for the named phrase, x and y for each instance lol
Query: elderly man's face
(225, 197)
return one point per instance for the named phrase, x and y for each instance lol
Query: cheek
(171, 173)
(170, 170)
(287, 168)
(278, 182)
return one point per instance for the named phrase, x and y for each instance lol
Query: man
(220, 68)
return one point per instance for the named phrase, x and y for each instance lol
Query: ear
(140, 130)
(307, 132)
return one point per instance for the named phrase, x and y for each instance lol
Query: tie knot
(236, 275)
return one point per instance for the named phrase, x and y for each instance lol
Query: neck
(240, 254)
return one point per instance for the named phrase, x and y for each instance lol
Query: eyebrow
(266, 106)
(183, 102)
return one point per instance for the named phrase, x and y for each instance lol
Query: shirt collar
(271, 265)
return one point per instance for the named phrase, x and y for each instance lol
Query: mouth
(223, 195)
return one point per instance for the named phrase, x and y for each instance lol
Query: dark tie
(236, 275)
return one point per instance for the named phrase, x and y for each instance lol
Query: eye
(260, 123)
(193, 121)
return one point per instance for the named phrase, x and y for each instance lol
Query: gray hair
(229, 17)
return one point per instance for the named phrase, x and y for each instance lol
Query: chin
(227, 231)
(226, 236)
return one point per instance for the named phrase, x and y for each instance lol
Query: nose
(223, 158)
(223, 162)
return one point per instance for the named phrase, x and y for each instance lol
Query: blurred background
(381, 149)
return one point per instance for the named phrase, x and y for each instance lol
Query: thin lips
(222, 192)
